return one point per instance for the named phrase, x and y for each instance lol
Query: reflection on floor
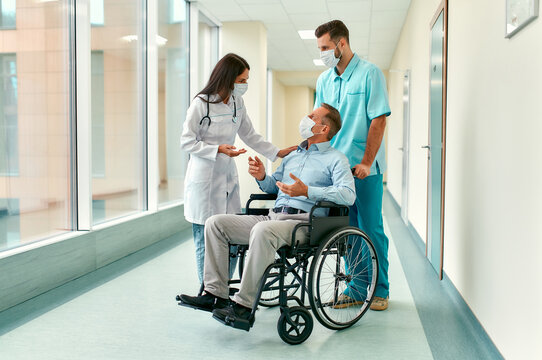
(127, 311)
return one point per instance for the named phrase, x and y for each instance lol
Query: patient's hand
(256, 168)
(296, 189)
(282, 153)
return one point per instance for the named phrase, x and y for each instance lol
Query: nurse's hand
(361, 171)
(296, 189)
(230, 150)
(256, 168)
(282, 153)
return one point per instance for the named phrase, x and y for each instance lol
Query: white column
(249, 40)
(152, 106)
(194, 29)
(84, 128)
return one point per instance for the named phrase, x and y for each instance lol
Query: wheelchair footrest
(194, 307)
(237, 323)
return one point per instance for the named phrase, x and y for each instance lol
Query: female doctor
(215, 116)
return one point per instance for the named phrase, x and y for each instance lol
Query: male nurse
(357, 88)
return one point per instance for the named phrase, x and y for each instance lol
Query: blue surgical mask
(239, 89)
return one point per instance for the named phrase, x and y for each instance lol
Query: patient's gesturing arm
(267, 183)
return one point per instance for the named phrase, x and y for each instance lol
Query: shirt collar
(349, 69)
(323, 146)
(216, 97)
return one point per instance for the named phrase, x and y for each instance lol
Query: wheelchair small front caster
(295, 325)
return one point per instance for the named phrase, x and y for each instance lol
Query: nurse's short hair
(332, 119)
(336, 29)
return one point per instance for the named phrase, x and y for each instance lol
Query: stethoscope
(205, 122)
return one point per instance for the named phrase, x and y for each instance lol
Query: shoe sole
(235, 323)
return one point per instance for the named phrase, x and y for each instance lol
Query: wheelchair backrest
(322, 226)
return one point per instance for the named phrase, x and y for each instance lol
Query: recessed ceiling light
(306, 34)
(318, 62)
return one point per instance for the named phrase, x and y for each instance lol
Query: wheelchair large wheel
(295, 325)
(345, 264)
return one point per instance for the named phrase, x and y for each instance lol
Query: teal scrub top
(360, 95)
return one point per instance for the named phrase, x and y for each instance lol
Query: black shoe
(206, 302)
(236, 316)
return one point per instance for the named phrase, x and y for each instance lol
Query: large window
(117, 113)
(46, 142)
(173, 89)
(35, 154)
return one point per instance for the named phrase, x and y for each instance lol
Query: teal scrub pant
(366, 213)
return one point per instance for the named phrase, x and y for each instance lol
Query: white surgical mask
(239, 89)
(305, 127)
(329, 59)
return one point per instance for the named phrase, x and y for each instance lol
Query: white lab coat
(211, 182)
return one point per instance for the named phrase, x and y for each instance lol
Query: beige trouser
(264, 235)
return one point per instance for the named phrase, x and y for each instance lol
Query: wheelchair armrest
(256, 197)
(263, 196)
(342, 209)
(326, 204)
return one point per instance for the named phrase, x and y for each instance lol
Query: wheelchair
(335, 258)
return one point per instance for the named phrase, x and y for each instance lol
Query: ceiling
(375, 26)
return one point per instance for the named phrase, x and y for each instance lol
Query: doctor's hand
(282, 153)
(230, 150)
(296, 189)
(256, 168)
(361, 171)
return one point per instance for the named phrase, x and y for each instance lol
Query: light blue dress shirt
(360, 95)
(322, 168)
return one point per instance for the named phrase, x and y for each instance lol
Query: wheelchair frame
(322, 231)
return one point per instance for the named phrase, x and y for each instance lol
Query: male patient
(314, 172)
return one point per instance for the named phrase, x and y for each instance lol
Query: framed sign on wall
(519, 13)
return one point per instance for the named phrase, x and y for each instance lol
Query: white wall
(412, 53)
(299, 103)
(492, 250)
(249, 40)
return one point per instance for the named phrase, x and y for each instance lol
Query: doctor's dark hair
(223, 77)
(332, 119)
(336, 29)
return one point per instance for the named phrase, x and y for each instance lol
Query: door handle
(400, 149)
(426, 147)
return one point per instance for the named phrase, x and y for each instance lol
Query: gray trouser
(264, 235)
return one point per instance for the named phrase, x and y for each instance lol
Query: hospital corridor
(270, 179)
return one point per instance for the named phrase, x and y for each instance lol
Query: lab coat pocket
(200, 169)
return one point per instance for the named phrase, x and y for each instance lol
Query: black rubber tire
(328, 258)
(297, 328)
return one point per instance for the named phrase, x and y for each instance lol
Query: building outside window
(35, 153)
(117, 109)
(7, 14)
